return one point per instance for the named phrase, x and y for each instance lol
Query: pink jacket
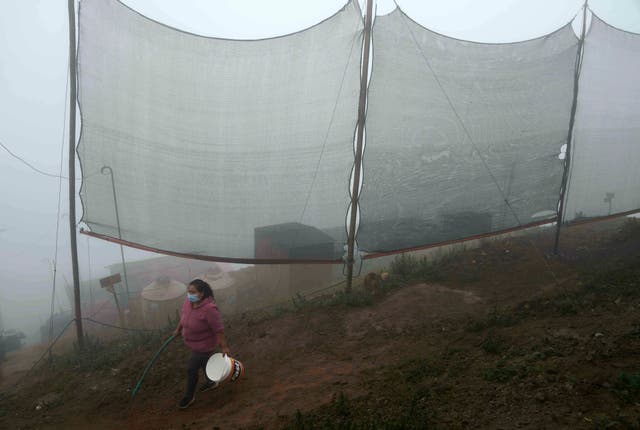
(201, 325)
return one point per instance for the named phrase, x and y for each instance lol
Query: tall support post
(115, 203)
(567, 153)
(362, 107)
(72, 170)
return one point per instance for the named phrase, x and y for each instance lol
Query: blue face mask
(193, 297)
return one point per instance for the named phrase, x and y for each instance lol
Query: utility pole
(362, 107)
(72, 170)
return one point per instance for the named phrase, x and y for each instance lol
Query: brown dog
(372, 283)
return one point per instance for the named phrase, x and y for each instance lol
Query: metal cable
(42, 172)
(55, 255)
(120, 327)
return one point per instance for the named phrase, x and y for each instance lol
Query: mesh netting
(243, 149)
(605, 172)
(455, 128)
(218, 147)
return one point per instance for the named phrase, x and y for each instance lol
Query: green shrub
(493, 344)
(627, 387)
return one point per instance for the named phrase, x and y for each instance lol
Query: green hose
(153, 360)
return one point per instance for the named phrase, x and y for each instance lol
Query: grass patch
(411, 268)
(604, 422)
(627, 387)
(545, 353)
(415, 371)
(620, 279)
(504, 372)
(302, 303)
(354, 299)
(497, 317)
(397, 399)
(97, 354)
(493, 344)
(346, 414)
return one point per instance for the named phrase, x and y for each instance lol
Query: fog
(33, 74)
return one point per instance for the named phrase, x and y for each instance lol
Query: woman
(202, 330)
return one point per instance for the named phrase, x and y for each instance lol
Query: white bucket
(221, 368)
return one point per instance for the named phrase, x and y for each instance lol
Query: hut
(161, 301)
(225, 289)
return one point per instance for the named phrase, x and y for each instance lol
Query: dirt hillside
(500, 337)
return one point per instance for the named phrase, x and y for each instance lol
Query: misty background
(33, 123)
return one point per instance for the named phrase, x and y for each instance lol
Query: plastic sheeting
(213, 142)
(605, 157)
(455, 128)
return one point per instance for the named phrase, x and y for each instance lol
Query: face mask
(193, 297)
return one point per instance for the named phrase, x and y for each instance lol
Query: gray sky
(33, 73)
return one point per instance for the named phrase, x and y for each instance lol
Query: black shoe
(208, 385)
(186, 402)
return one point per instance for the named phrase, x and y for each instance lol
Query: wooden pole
(72, 170)
(115, 298)
(358, 155)
(567, 153)
(115, 204)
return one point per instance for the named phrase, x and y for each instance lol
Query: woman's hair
(202, 287)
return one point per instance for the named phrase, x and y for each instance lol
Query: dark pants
(197, 361)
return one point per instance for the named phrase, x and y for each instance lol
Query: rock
(48, 400)
(568, 386)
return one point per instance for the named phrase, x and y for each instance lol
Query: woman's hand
(222, 341)
(177, 332)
